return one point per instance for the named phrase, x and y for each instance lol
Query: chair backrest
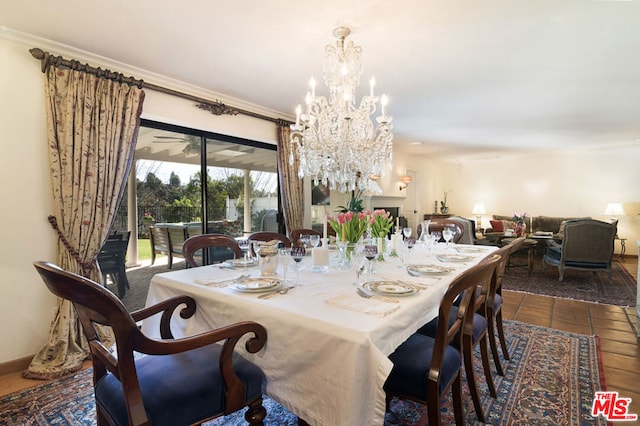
(229, 246)
(95, 305)
(268, 236)
(468, 230)
(113, 255)
(488, 292)
(177, 237)
(462, 288)
(296, 233)
(159, 238)
(589, 241)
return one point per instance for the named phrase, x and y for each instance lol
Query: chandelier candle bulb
(372, 84)
(312, 84)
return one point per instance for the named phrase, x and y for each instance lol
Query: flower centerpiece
(349, 226)
(380, 223)
(521, 225)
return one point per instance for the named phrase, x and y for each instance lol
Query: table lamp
(614, 210)
(478, 211)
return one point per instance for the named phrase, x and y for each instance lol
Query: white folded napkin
(356, 303)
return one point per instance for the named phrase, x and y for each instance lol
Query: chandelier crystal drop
(338, 144)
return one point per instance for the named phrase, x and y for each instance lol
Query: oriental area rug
(588, 286)
(551, 379)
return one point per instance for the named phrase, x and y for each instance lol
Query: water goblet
(298, 253)
(284, 259)
(314, 240)
(304, 239)
(370, 252)
(406, 232)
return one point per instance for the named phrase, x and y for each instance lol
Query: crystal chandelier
(336, 141)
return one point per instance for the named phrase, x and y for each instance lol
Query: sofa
(540, 224)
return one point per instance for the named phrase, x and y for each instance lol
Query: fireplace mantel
(372, 201)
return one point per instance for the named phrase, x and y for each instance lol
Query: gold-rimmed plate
(417, 270)
(242, 262)
(453, 258)
(255, 285)
(469, 249)
(389, 288)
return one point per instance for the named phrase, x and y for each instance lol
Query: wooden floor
(615, 326)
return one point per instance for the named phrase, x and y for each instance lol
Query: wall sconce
(406, 180)
(478, 211)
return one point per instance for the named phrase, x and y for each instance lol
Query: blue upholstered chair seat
(168, 384)
(479, 325)
(411, 363)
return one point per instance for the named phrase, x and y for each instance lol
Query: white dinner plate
(469, 249)
(389, 288)
(416, 270)
(240, 263)
(453, 258)
(255, 285)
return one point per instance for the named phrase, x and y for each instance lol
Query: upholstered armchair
(587, 244)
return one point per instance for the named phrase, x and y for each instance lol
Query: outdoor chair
(159, 239)
(112, 260)
(474, 334)
(161, 381)
(425, 367)
(587, 245)
(219, 248)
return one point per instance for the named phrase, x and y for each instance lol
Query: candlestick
(344, 232)
(324, 228)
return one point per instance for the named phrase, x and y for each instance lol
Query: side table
(623, 247)
(529, 245)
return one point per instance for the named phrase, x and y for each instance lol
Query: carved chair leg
(255, 413)
(471, 379)
(503, 341)
(492, 342)
(487, 366)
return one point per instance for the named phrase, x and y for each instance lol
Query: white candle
(372, 84)
(324, 228)
(320, 256)
(383, 102)
(298, 112)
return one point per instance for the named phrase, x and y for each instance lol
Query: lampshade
(478, 209)
(406, 179)
(614, 209)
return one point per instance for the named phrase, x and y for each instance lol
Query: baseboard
(15, 365)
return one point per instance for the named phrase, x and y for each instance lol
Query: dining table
(326, 356)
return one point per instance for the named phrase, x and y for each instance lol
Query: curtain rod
(214, 107)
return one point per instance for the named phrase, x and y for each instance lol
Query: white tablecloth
(325, 363)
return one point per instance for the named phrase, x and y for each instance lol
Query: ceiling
(464, 77)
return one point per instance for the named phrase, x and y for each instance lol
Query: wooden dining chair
(221, 248)
(425, 367)
(181, 381)
(475, 334)
(490, 303)
(297, 233)
(268, 236)
(440, 224)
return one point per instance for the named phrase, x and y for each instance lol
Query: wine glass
(297, 253)
(370, 252)
(406, 232)
(447, 235)
(304, 239)
(409, 242)
(314, 240)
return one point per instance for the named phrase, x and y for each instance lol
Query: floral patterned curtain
(291, 190)
(92, 125)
